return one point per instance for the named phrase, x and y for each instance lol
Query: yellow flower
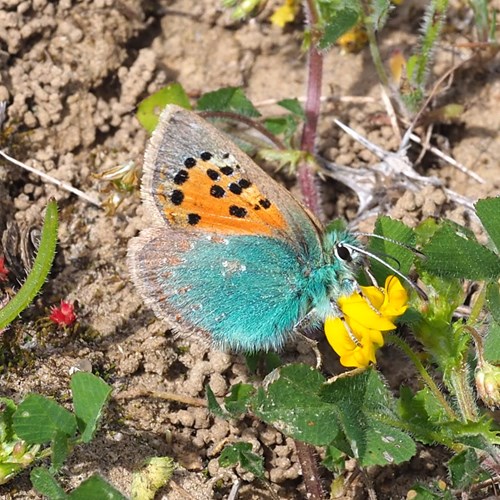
(285, 14)
(356, 338)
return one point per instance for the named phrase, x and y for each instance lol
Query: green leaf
(396, 255)
(8, 408)
(292, 404)
(90, 394)
(365, 411)
(230, 99)
(284, 125)
(96, 487)
(294, 106)
(242, 453)
(453, 252)
(465, 469)
(492, 344)
(213, 406)
(488, 211)
(40, 270)
(149, 110)
(37, 419)
(493, 300)
(338, 18)
(60, 450)
(480, 434)
(237, 401)
(44, 483)
(423, 413)
(334, 459)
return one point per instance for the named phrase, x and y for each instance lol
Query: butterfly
(230, 254)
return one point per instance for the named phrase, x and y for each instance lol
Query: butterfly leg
(350, 373)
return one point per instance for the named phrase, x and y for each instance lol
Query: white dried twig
(53, 180)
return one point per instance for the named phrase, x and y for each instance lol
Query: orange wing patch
(213, 194)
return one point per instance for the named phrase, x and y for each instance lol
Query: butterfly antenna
(388, 266)
(395, 242)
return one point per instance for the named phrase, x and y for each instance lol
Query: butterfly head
(342, 247)
(343, 262)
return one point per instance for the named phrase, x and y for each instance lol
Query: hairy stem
(459, 381)
(310, 471)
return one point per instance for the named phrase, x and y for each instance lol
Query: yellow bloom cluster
(357, 336)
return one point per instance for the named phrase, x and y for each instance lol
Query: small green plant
(26, 429)
(41, 268)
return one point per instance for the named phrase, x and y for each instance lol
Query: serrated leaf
(480, 434)
(416, 410)
(37, 419)
(465, 469)
(44, 482)
(90, 394)
(365, 409)
(488, 211)
(149, 110)
(230, 99)
(452, 252)
(337, 19)
(292, 404)
(395, 255)
(242, 453)
(96, 487)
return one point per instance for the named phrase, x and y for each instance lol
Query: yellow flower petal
(356, 306)
(396, 298)
(357, 337)
(374, 294)
(353, 353)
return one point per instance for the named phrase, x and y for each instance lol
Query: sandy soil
(72, 74)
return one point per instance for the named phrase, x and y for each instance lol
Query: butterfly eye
(343, 253)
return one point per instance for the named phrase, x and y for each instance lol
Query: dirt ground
(72, 74)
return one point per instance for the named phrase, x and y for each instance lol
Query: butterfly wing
(230, 249)
(194, 177)
(245, 292)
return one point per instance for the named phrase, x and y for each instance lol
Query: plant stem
(305, 175)
(423, 373)
(459, 381)
(310, 471)
(306, 179)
